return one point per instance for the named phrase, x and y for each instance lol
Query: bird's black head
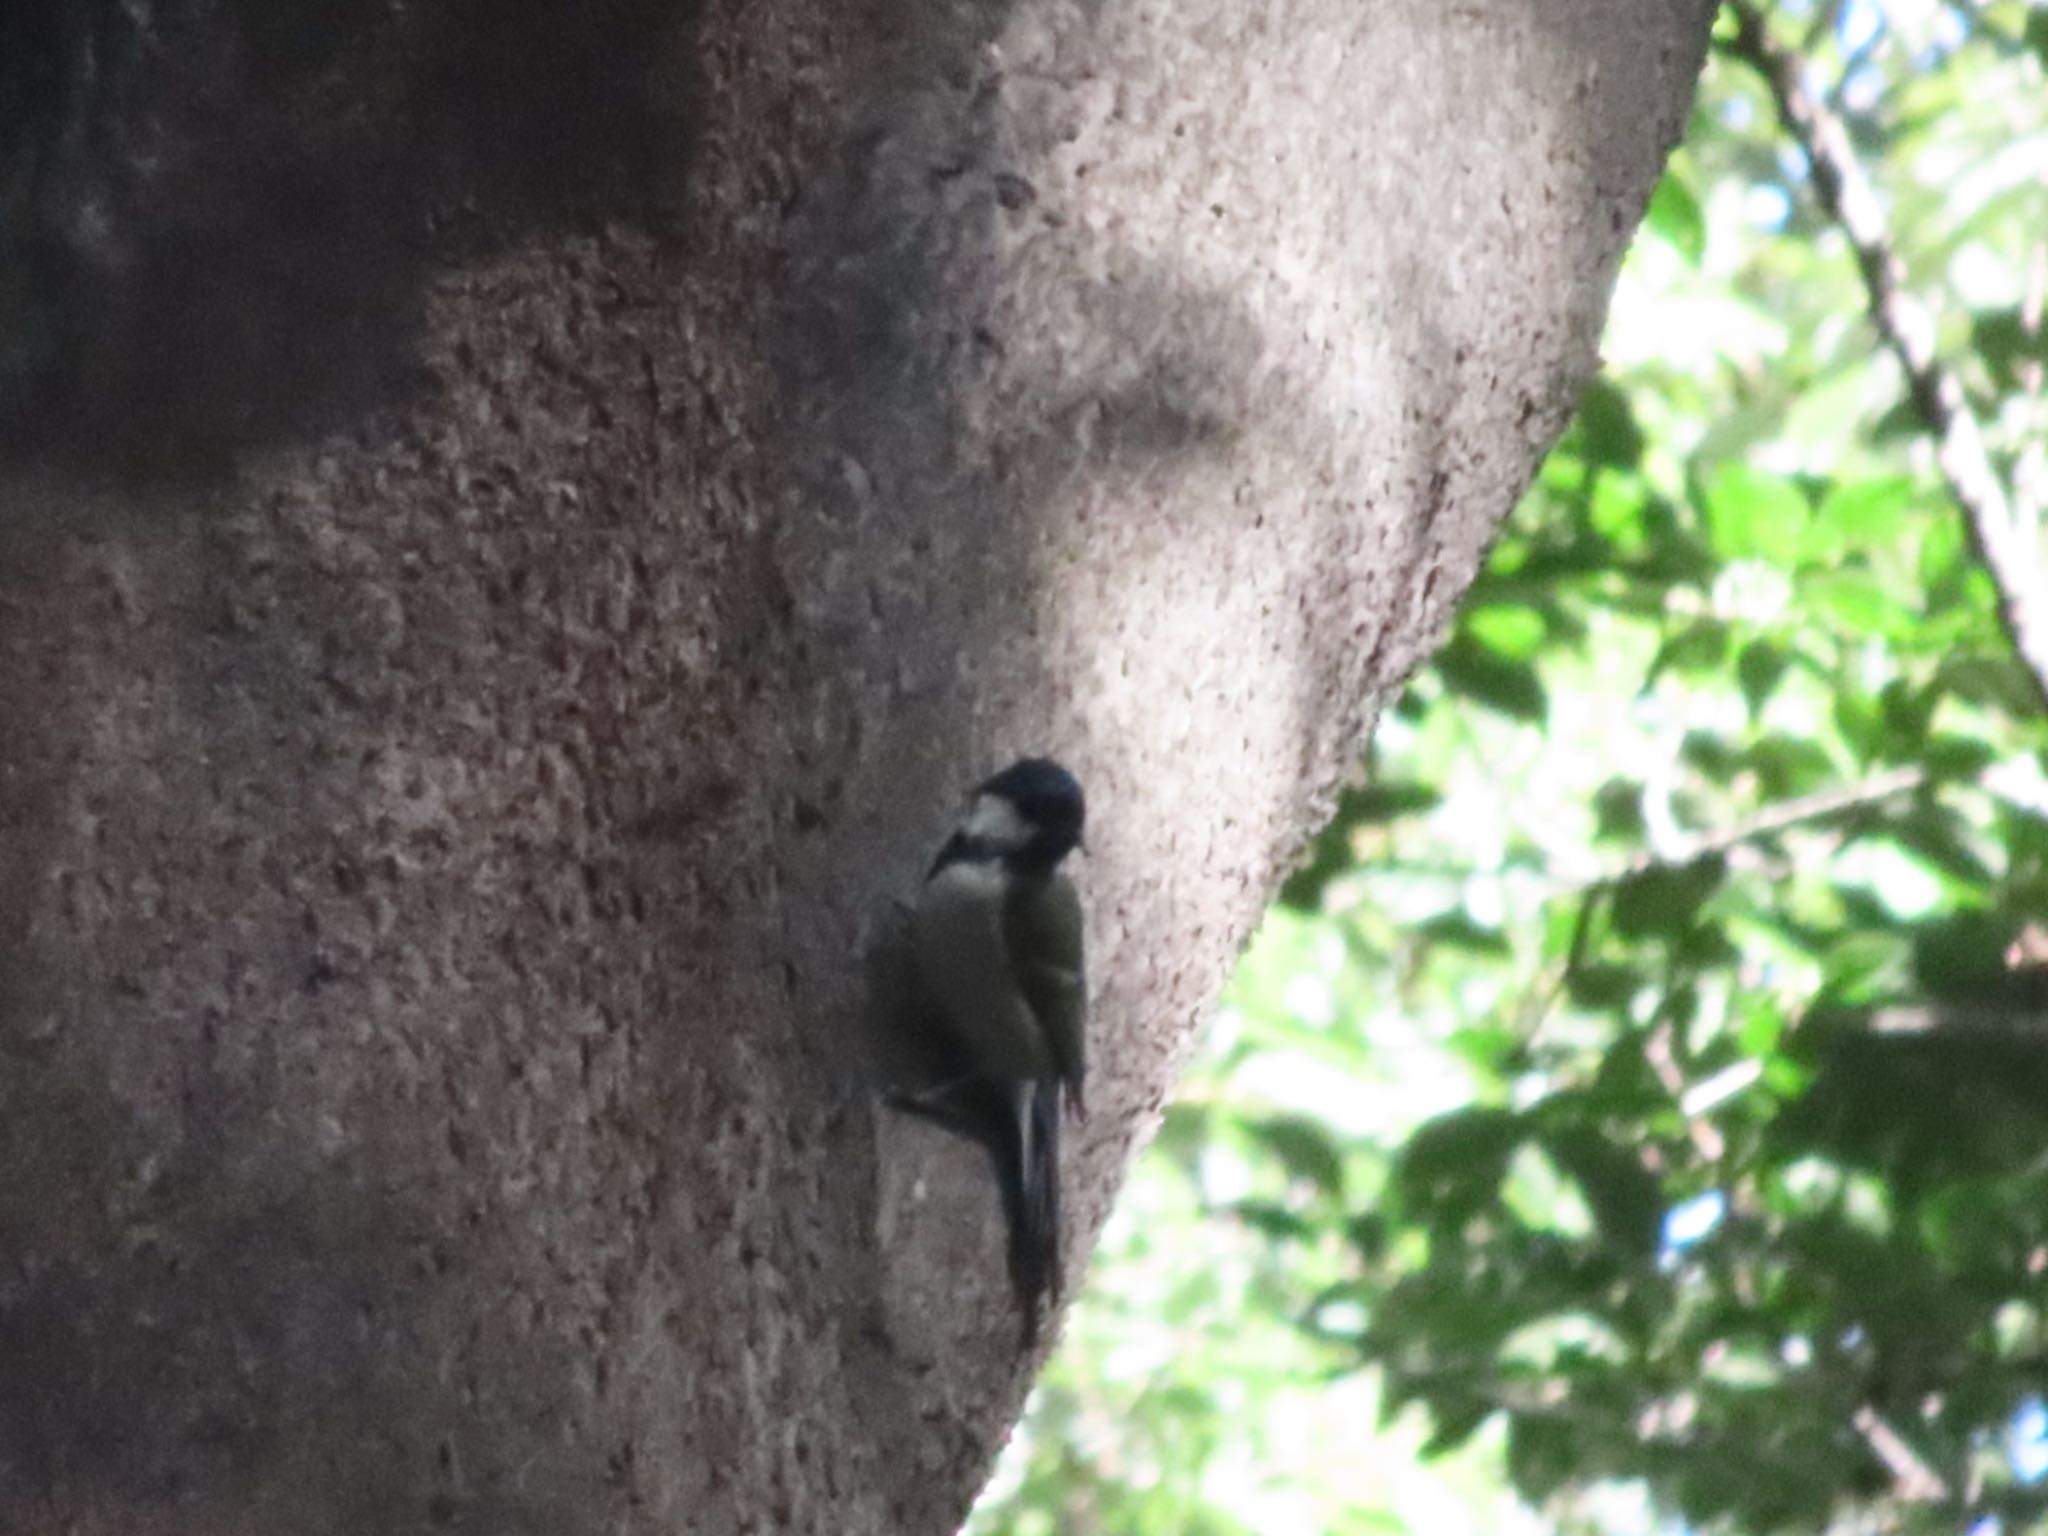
(1029, 816)
(1048, 798)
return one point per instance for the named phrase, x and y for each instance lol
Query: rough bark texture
(516, 522)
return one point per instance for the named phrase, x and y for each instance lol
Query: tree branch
(2022, 1025)
(1772, 819)
(1913, 1480)
(2002, 537)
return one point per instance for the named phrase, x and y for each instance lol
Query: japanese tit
(997, 933)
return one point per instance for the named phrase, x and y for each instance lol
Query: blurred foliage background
(1634, 1116)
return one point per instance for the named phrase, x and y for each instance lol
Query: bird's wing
(1043, 932)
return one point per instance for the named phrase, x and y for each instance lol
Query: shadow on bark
(215, 218)
(227, 1302)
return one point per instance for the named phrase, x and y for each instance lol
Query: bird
(997, 935)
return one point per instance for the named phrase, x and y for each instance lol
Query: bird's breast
(966, 963)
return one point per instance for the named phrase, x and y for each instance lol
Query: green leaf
(1996, 682)
(1626, 1200)
(1957, 757)
(1860, 721)
(1384, 801)
(1353, 1521)
(1607, 426)
(2005, 341)
(1329, 857)
(1702, 646)
(1862, 967)
(1674, 213)
(1859, 515)
(1305, 1148)
(1512, 630)
(1759, 669)
(1752, 515)
(1665, 900)
(1618, 810)
(1599, 987)
(1704, 947)
(1184, 1129)
(1275, 1222)
(1456, 1162)
(1931, 831)
(1458, 929)
(1671, 555)
(1511, 687)
(1453, 1423)
(1618, 513)
(1490, 1048)
(1713, 755)
(1786, 766)
(1907, 714)
(1856, 602)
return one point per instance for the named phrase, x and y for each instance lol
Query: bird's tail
(1019, 1124)
(1028, 1169)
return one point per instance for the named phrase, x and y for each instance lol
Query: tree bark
(518, 521)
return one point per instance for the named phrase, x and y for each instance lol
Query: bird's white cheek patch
(995, 821)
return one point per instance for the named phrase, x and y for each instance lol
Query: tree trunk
(517, 523)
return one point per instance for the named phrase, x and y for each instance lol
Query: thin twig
(1913, 1480)
(1825, 19)
(1773, 819)
(1660, 1051)
(1997, 534)
(2018, 1024)
(1558, 979)
(1682, 847)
